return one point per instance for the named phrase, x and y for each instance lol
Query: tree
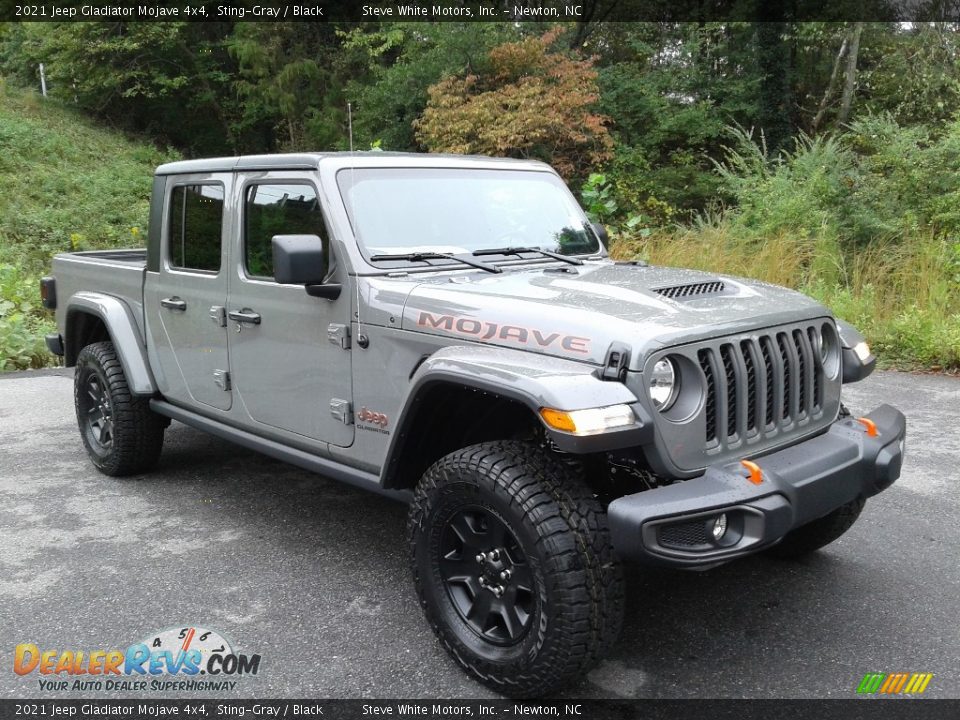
(169, 79)
(291, 83)
(530, 102)
(395, 64)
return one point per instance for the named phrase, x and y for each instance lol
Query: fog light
(719, 527)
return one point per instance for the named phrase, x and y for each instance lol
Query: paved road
(312, 575)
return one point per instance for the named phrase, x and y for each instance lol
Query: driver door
(287, 373)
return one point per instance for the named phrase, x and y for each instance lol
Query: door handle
(174, 303)
(244, 316)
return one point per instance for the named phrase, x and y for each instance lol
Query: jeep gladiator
(450, 332)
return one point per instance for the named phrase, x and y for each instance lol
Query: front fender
(535, 381)
(124, 332)
(854, 369)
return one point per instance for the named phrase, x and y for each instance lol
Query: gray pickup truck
(450, 332)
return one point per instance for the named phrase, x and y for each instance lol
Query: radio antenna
(353, 220)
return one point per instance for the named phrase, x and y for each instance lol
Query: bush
(66, 186)
(904, 295)
(21, 327)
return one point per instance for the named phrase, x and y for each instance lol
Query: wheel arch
(465, 395)
(94, 317)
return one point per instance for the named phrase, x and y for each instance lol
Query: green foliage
(873, 181)
(21, 327)
(66, 186)
(905, 297)
(912, 74)
(291, 79)
(168, 79)
(399, 62)
(597, 199)
(531, 101)
(636, 113)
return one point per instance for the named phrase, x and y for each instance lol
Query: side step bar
(300, 458)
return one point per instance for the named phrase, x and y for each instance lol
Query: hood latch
(615, 363)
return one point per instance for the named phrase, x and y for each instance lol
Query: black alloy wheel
(487, 576)
(120, 432)
(96, 412)
(513, 565)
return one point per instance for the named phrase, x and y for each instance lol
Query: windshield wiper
(418, 256)
(520, 250)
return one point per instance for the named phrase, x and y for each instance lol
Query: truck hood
(576, 312)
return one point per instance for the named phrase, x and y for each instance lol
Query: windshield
(412, 210)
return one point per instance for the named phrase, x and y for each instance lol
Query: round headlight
(663, 384)
(820, 346)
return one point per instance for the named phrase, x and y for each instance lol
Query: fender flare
(854, 369)
(532, 380)
(124, 332)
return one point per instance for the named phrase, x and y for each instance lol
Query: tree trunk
(850, 75)
(775, 92)
(828, 93)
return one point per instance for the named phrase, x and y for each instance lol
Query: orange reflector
(870, 425)
(558, 420)
(756, 474)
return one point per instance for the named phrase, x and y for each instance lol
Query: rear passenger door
(186, 303)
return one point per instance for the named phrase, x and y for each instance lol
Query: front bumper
(671, 525)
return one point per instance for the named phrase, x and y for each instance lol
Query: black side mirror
(601, 232)
(303, 260)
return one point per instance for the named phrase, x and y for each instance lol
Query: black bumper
(672, 525)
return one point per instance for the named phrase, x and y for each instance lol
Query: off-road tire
(577, 604)
(136, 435)
(814, 535)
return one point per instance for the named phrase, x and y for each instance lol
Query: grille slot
(763, 383)
(680, 292)
(711, 402)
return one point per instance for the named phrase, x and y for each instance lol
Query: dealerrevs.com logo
(180, 658)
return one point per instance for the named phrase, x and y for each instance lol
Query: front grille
(688, 534)
(679, 292)
(761, 384)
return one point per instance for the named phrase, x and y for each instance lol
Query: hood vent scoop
(685, 292)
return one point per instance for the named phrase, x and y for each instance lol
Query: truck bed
(131, 257)
(118, 273)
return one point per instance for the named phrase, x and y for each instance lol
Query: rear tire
(122, 435)
(560, 608)
(814, 535)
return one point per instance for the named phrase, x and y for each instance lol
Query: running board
(307, 461)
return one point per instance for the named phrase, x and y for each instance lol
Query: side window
(283, 209)
(196, 227)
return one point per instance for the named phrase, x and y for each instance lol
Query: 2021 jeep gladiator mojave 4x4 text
(450, 332)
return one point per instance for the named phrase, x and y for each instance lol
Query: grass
(65, 184)
(904, 295)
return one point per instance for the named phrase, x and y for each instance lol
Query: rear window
(196, 227)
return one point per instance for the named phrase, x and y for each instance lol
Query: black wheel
(120, 432)
(814, 535)
(513, 566)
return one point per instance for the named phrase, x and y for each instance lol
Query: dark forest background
(824, 156)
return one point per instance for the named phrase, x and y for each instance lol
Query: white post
(43, 81)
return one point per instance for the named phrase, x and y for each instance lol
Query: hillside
(65, 184)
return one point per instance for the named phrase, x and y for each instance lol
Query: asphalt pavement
(312, 575)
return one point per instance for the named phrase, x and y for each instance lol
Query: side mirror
(601, 232)
(303, 260)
